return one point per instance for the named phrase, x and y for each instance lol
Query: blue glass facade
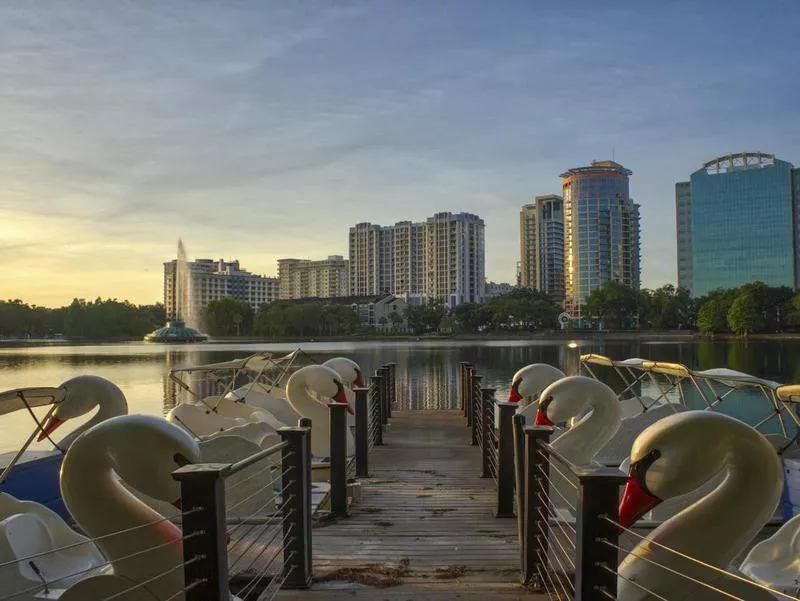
(742, 223)
(601, 231)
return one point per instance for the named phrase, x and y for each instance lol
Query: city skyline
(261, 131)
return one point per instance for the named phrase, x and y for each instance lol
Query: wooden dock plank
(425, 510)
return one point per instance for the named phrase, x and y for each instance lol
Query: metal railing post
(476, 401)
(390, 386)
(337, 414)
(362, 432)
(468, 371)
(385, 394)
(537, 489)
(462, 368)
(375, 394)
(296, 506)
(518, 430)
(598, 499)
(487, 429)
(505, 461)
(203, 506)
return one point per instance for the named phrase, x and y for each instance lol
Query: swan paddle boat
(672, 458)
(33, 475)
(136, 542)
(527, 385)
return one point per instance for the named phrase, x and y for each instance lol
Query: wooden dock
(424, 527)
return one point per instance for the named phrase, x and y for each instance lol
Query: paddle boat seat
(775, 562)
(27, 529)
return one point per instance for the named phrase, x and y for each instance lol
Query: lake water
(426, 370)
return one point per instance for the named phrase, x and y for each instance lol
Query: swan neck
(110, 403)
(581, 443)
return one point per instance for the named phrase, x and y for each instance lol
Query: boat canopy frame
(784, 399)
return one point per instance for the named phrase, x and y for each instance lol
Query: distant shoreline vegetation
(754, 309)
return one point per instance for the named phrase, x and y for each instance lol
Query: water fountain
(177, 329)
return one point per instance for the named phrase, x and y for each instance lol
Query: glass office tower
(737, 223)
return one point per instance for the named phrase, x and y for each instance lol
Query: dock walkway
(424, 527)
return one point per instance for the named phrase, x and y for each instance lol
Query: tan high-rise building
(303, 278)
(541, 242)
(454, 258)
(442, 258)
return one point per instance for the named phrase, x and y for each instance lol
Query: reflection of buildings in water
(430, 384)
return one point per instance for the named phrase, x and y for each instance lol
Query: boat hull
(37, 479)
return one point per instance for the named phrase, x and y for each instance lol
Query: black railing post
(468, 371)
(598, 499)
(337, 415)
(537, 489)
(390, 397)
(382, 394)
(296, 505)
(203, 507)
(505, 461)
(487, 429)
(518, 427)
(376, 410)
(362, 432)
(477, 401)
(462, 368)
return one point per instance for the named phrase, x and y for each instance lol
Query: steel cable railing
(697, 566)
(263, 535)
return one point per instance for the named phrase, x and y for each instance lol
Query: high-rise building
(601, 232)
(386, 259)
(454, 258)
(737, 222)
(303, 278)
(210, 280)
(541, 242)
(442, 257)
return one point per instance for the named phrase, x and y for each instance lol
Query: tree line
(109, 319)
(751, 308)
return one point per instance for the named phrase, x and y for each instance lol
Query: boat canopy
(254, 361)
(609, 362)
(789, 393)
(20, 398)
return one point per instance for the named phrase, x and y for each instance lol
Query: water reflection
(427, 371)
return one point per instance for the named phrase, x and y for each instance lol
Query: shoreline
(624, 335)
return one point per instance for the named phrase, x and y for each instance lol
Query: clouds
(265, 129)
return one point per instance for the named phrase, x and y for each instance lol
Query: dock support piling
(376, 410)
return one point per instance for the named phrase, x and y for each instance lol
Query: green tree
(425, 317)
(228, 317)
(742, 317)
(615, 304)
(713, 316)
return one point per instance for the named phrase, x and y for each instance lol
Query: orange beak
(514, 396)
(542, 419)
(49, 427)
(635, 503)
(359, 381)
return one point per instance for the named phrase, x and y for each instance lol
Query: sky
(265, 129)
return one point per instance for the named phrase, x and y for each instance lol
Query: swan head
(81, 395)
(680, 453)
(348, 370)
(144, 450)
(568, 397)
(323, 381)
(529, 381)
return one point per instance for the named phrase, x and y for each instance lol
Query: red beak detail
(350, 410)
(635, 503)
(514, 396)
(52, 423)
(542, 419)
(359, 381)
(340, 397)
(178, 504)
